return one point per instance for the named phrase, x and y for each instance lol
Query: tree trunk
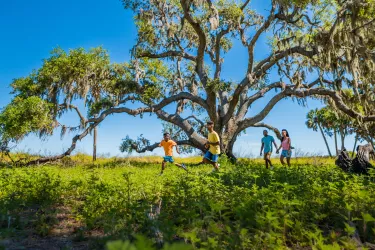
(342, 135)
(94, 144)
(355, 145)
(325, 139)
(335, 135)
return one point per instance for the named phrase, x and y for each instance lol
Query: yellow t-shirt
(168, 147)
(214, 137)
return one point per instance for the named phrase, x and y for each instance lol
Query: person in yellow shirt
(168, 145)
(213, 146)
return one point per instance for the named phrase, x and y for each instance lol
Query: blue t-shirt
(267, 140)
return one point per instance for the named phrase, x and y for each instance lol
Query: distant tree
(335, 122)
(314, 121)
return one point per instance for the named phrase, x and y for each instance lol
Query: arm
(290, 145)
(177, 149)
(274, 143)
(213, 143)
(278, 149)
(261, 148)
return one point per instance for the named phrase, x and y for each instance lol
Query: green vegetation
(246, 206)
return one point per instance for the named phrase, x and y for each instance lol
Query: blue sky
(31, 29)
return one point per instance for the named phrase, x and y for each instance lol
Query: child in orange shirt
(168, 145)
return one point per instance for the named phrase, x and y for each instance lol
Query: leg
(268, 160)
(163, 166)
(197, 164)
(181, 166)
(265, 159)
(288, 161)
(214, 164)
(282, 160)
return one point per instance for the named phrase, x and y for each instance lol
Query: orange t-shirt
(168, 147)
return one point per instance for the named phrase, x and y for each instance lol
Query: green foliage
(129, 145)
(24, 116)
(243, 207)
(143, 243)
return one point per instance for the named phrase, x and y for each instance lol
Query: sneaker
(161, 174)
(184, 166)
(218, 165)
(271, 167)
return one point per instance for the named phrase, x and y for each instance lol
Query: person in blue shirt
(266, 148)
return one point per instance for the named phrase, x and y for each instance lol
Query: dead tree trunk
(325, 139)
(360, 164)
(336, 147)
(355, 145)
(94, 143)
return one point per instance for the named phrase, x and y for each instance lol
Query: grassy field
(123, 203)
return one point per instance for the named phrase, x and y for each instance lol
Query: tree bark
(325, 139)
(355, 145)
(94, 144)
(335, 136)
(342, 135)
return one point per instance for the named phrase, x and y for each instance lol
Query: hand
(207, 145)
(277, 151)
(178, 151)
(261, 153)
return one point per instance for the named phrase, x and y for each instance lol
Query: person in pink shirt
(286, 147)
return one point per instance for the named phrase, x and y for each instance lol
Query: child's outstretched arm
(177, 149)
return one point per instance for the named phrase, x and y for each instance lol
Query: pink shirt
(285, 144)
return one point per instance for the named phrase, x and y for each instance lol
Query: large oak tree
(179, 57)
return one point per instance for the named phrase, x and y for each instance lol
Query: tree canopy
(179, 57)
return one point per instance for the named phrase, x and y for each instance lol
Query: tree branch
(263, 125)
(250, 100)
(153, 108)
(245, 4)
(168, 54)
(202, 39)
(253, 41)
(197, 120)
(68, 151)
(156, 145)
(364, 25)
(196, 139)
(271, 60)
(263, 113)
(70, 106)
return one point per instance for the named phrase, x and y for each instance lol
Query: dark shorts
(267, 155)
(211, 157)
(168, 159)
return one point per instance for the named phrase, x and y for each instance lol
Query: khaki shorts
(267, 155)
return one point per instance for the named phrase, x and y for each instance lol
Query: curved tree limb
(263, 125)
(68, 151)
(250, 100)
(153, 108)
(168, 54)
(261, 69)
(271, 60)
(97, 120)
(196, 139)
(255, 38)
(70, 106)
(156, 145)
(202, 39)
